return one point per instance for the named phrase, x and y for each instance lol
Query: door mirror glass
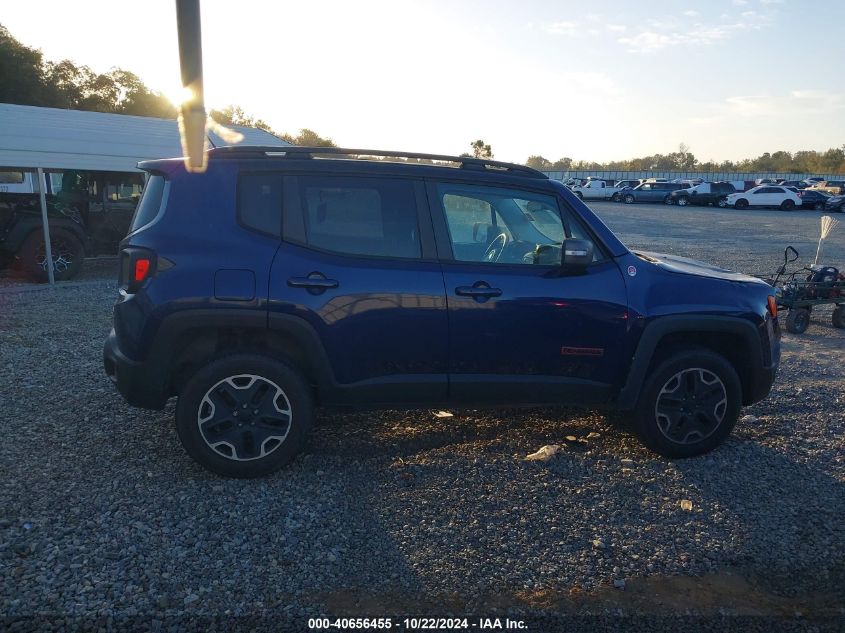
(577, 254)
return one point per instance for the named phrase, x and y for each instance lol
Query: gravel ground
(104, 521)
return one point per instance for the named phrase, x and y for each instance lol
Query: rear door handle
(480, 290)
(313, 282)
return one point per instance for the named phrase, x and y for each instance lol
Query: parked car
(835, 187)
(765, 196)
(596, 190)
(811, 199)
(22, 238)
(625, 184)
(834, 203)
(353, 282)
(651, 191)
(765, 181)
(812, 180)
(715, 193)
(798, 184)
(89, 213)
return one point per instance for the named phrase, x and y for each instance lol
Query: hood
(686, 266)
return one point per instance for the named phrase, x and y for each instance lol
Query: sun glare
(179, 95)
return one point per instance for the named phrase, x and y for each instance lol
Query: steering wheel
(496, 248)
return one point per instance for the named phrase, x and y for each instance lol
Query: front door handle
(315, 282)
(479, 290)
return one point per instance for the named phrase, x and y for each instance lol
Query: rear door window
(361, 216)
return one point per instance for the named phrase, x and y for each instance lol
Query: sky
(588, 80)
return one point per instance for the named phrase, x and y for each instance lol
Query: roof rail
(297, 152)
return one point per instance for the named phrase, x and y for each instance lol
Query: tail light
(773, 306)
(137, 265)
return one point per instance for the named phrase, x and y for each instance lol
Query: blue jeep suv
(284, 279)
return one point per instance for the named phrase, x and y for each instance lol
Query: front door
(357, 263)
(519, 329)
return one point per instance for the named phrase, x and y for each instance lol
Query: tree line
(831, 161)
(29, 79)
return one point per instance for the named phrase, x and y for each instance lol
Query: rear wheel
(67, 251)
(689, 404)
(683, 201)
(667, 199)
(742, 203)
(629, 199)
(615, 197)
(244, 415)
(722, 202)
(838, 317)
(798, 320)
(787, 205)
(819, 206)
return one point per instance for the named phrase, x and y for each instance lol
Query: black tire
(615, 197)
(715, 383)
(798, 320)
(580, 195)
(742, 203)
(286, 433)
(68, 255)
(819, 206)
(667, 199)
(683, 201)
(722, 202)
(838, 317)
(628, 199)
(787, 205)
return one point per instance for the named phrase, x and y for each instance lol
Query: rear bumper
(138, 382)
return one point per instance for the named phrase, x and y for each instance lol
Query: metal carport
(38, 139)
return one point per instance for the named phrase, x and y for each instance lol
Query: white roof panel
(72, 139)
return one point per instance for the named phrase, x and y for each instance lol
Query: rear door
(519, 329)
(358, 265)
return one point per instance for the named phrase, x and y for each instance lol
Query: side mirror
(577, 255)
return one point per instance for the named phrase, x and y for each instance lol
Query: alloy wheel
(691, 406)
(244, 417)
(62, 255)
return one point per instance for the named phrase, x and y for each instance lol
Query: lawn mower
(804, 288)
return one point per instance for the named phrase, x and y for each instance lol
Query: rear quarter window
(149, 204)
(260, 202)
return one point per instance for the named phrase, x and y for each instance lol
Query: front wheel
(798, 320)
(244, 415)
(629, 199)
(683, 201)
(580, 195)
(667, 199)
(615, 197)
(742, 203)
(722, 202)
(819, 206)
(689, 404)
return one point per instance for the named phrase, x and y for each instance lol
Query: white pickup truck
(596, 189)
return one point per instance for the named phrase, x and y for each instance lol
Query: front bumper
(139, 382)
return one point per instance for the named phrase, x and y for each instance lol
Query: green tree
(481, 150)
(21, 68)
(539, 162)
(309, 138)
